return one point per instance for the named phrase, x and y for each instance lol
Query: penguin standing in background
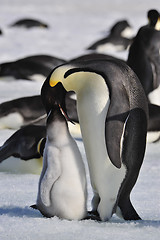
(62, 186)
(144, 57)
(113, 112)
(116, 40)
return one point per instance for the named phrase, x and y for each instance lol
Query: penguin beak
(65, 114)
(60, 99)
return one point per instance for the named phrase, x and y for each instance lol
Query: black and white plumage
(112, 110)
(29, 23)
(23, 143)
(116, 39)
(30, 110)
(33, 68)
(27, 143)
(22, 111)
(144, 57)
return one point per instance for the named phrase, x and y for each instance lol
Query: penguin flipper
(6, 150)
(114, 130)
(52, 173)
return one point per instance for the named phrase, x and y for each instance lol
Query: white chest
(106, 179)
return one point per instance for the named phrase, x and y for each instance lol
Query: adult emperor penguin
(32, 68)
(25, 144)
(116, 40)
(30, 110)
(29, 23)
(112, 110)
(144, 57)
(62, 186)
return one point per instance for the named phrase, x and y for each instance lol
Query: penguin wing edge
(114, 131)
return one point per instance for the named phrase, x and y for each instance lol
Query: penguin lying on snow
(116, 40)
(30, 68)
(22, 111)
(62, 186)
(144, 57)
(27, 110)
(112, 110)
(26, 143)
(29, 23)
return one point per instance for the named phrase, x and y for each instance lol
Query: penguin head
(58, 86)
(154, 19)
(122, 28)
(54, 98)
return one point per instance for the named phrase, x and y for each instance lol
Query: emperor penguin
(25, 144)
(30, 110)
(29, 23)
(113, 111)
(62, 188)
(32, 68)
(116, 40)
(144, 57)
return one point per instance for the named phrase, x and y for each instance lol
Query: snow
(74, 25)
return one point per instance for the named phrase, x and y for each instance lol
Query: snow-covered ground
(74, 25)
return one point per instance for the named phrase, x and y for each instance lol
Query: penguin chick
(62, 186)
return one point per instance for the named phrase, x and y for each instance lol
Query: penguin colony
(112, 113)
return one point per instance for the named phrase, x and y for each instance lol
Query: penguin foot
(34, 206)
(92, 215)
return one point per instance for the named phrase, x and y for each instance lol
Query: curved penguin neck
(92, 104)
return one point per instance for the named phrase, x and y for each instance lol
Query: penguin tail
(34, 206)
